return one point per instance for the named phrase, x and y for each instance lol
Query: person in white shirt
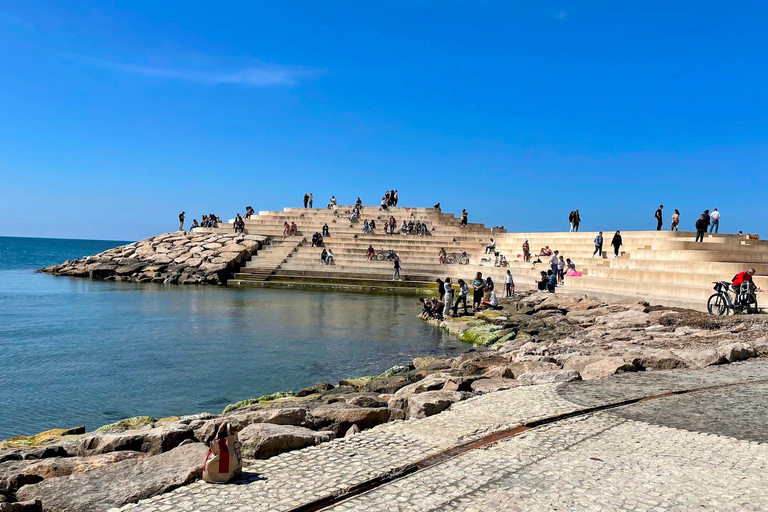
(715, 218)
(492, 301)
(448, 298)
(553, 261)
(509, 285)
(491, 248)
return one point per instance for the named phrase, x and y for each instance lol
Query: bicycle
(501, 260)
(383, 255)
(461, 259)
(720, 303)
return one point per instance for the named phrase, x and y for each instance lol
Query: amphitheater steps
(270, 258)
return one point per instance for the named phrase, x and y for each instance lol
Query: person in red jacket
(741, 279)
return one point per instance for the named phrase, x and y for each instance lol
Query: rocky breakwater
(573, 332)
(533, 339)
(184, 258)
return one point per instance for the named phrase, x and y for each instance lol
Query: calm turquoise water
(78, 352)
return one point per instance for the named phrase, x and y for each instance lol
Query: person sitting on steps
(491, 248)
(370, 254)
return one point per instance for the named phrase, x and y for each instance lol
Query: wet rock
(430, 403)
(606, 367)
(264, 440)
(548, 377)
(390, 384)
(120, 483)
(339, 417)
(317, 388)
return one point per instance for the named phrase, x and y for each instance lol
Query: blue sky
(117, 115)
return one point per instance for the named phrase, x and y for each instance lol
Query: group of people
(559, 268)
(390, 198)
(450, 298)
(317, 239)
(308, 200)
(574, 219)
(290, 229)
(327, 257)
(707, 221)
(616, 243)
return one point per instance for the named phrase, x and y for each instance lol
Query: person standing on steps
(310, 199)
(715, 217)
(448, 297)
(570, 219)
(325, 230)
(395, 198)
(526, 251)
(598, 245)
(616, 242)
(509, 284)
(659, 219)
(553, 262)
(181, 221)
(675, 220)
(396, 275)
(701, 228)
(464, 218)
(576, 220)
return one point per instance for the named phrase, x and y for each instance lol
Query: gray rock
(264, 440)
(492, 385)
(23, 506)
(736, 351)
(149, 440)
(340, 417)
(548, 377)
(205, 431)
(430, 403)
(317, 388)
(390, 384)
(354, 429)
(606, 367)
(499, 372)
(120, 483)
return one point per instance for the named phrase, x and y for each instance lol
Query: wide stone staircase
(662, 267)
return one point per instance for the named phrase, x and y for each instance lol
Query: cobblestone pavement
(602, 461)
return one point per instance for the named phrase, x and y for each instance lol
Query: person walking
(396, 275)
(715, 217)
(311, 199)
(571, 216)
(477, 295)
(616, 242)
(701, 228)
(463, 292)
(659, 219)
(306, 199)
(395, 199)
(509, 284)
(675, 220)
(448, 297)
(576, 220)
(526, 251)
(181, 221)
(598, 245)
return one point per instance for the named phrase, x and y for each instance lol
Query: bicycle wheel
(380, 256)
(716, 305)
(452, 259)
(464, 260)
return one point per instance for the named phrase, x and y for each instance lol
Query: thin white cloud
(562, 15)
(253, 76)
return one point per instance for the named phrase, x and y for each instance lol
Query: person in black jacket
(659, 220)
(701, 228)
(616, 243)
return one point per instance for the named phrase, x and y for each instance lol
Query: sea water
(81, 352)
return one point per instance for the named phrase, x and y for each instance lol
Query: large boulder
(432, 382)
(22, 506)
(656, 359)
(390, 384)
(158, 439)
(548, 377)
(520, 367)
(339, 417)
(264, 440)
(430, 403)
(700, 357)
(120, 483)
(205, 430)
(606, 367)
(736, 351)
(320, 387)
